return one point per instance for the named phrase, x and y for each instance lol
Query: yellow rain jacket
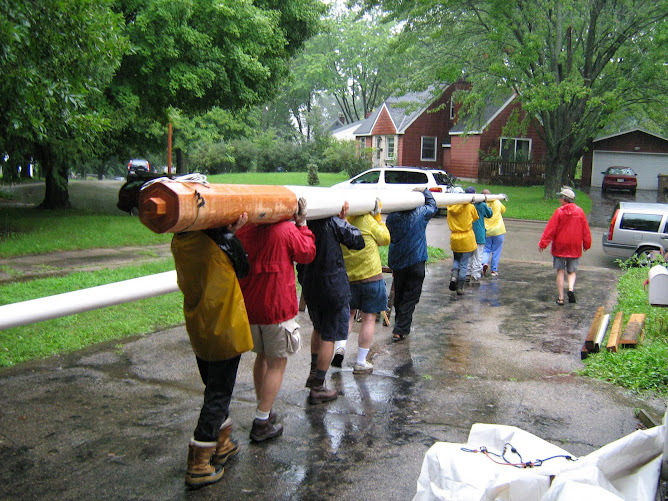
(494, 225)
(213, 305)
(365, 263)
(460, 221)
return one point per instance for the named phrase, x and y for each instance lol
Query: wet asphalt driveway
(113, 421)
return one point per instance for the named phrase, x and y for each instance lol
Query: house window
(389, 153)
(428, 149)
(452, 109)
(515, 149)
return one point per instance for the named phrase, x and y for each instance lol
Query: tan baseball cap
(567, 192)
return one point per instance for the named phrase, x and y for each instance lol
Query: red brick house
(406, 131)
(646, 153)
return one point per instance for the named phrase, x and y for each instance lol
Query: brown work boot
(200, 471)
(264, 429)
(310, 379)
(320, 393)
(460, 289)
(226, 447)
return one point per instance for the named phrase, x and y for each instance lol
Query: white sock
(361, 355)
(339, 344)
(261, 415)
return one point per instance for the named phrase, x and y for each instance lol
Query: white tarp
(627, 469)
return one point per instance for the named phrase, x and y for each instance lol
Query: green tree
(56, 57)
(576, 65)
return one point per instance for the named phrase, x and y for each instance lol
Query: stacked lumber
(618, 338)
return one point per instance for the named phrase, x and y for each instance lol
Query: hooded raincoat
(460, 221)
(568, 231)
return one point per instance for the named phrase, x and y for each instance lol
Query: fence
(511, 173)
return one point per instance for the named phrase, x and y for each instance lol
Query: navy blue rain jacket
(408, 245)
(325, 281)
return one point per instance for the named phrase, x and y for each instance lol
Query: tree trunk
(56, 195)
(553, 177)
(180, 169)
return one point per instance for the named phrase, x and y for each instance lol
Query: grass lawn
(644, 368)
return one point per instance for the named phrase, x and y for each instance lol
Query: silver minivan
(637, 228)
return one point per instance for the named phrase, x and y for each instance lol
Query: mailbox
(658, 286)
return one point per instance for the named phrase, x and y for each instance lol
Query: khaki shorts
(276, 340)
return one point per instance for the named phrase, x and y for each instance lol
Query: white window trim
(387, 147)
(515, 139)
(452, 109)
(422, 158)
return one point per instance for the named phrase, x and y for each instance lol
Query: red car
(619, 178)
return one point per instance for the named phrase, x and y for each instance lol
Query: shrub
(343, 156)
(313, 179)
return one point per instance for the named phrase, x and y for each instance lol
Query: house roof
(637, 129)
(470, 125)
(346, 132)
(403, 111)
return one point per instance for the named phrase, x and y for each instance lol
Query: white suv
(400, 178)
(637, 228)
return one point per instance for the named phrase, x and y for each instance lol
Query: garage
(645, 152)
(646, 165)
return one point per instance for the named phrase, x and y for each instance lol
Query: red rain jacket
(269, 289)
(568, 231)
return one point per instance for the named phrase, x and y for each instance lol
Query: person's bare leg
(259, 371)
(367, 330)
(273, 377)
(315, 342)
(571, 281)
(560, 284)
(325, 352)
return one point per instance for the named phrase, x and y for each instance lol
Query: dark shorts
(570, 264)
(370, 297)
(331, 324)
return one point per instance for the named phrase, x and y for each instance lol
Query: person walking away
(495, 233)
(271, 302)
(568, 230)
(327, 293)
(207, 266)
(462, 241)
(475, 263)
(365, 273)
(407, 256)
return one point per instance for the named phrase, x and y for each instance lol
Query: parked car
(138, 165)
(639, 229)
(400, 178)
(619, 178)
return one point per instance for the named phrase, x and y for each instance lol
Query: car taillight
(436, 189)
(612, 225)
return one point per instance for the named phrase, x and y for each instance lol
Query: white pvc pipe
(69, 303)
(601, 330)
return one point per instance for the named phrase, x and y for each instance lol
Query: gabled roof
(466, 125)
(346, 132)
(637, 129)
(403, 111)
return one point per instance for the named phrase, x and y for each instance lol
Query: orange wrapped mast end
(173, 207)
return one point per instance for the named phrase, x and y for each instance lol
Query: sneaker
(363, 368)
(494, 274)
(337, 361)
(453, 284)
(320, 394)
(484, 270)
(460, 291)
(264, 429)
(468, 279)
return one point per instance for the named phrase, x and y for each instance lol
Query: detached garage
(644, 152)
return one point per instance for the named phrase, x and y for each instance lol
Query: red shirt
(568, 231)
(269, 288)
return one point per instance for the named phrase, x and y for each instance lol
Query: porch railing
(511, 173)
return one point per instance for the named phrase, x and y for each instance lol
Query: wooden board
(615, 332)
(634, 332)
(593, 330)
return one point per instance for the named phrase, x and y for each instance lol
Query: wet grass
(644, 368)
(71, 333)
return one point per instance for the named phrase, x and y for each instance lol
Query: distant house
(407, 131)
(646, 153)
